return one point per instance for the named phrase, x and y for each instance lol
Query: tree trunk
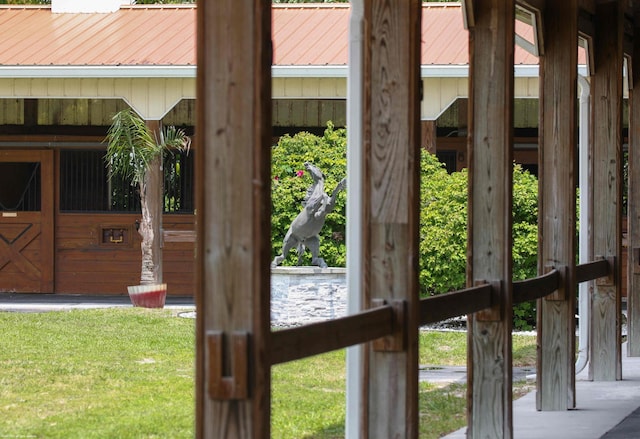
(151, 224)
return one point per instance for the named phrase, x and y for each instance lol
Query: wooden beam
(233, 223)
(391, 145)
(317, 338)
(593, 270)
(491, 46)
(533, 5)
(457, 303)
(605, 359)
(557, 206)
(429, 135)
(536, 288)
(633, 207)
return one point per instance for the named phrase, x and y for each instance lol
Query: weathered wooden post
(557, 205)
(390, 224)
(233, 219)
(605, 357)
(491, 47)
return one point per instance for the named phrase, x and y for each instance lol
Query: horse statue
(304, 230)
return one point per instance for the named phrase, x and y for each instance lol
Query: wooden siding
(86, 264)
(83, 112)
(152, 98)
(309, 112)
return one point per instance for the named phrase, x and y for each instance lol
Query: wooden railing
(305, 341)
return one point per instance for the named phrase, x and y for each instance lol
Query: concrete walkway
(603, 410)
(21, 302)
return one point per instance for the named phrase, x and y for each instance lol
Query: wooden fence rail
(457, 303)
(305, 341)
(316, 338)
(593, 270)
(536, 288)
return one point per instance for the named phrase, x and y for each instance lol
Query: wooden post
(557, 205)
(391, 145)
(633, 206)
(605, 360)
(491, 46)
(233, 223)
(429, 135)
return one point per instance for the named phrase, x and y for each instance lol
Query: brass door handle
(117, 240)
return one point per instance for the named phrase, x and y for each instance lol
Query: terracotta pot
(148, 296)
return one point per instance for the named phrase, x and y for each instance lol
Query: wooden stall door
(26, 221)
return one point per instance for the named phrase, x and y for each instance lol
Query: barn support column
(557, 206)
(605, 360)
(429, 135)
(491, 46)
(233, 221)
(390, 223)
(633, 205)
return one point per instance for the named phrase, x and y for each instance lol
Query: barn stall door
(26, 221)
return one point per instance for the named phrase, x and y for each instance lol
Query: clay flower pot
(148, 296)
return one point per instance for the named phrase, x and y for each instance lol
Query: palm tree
(134, 153)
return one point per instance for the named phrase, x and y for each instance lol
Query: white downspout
(583, 242)
(355, 354)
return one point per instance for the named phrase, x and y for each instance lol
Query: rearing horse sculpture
(304, 230)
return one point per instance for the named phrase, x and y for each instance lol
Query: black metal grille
(178, 183)
(85, 186)
(20, 187)
(449, 160)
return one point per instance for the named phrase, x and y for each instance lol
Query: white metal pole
(583, 240)
(353, 421)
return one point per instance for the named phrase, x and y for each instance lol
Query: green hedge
(290, 181)
(443, 214)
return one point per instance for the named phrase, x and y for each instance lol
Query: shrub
(443, 232)
(289, 187)
(443, 214)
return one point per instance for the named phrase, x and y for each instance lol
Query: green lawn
(128, 373)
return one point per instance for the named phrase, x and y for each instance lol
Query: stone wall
(301, 295)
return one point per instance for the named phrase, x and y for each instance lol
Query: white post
(353, 423)
(583, 238)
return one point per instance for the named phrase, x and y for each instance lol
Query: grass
(129, 373)
(96, 374)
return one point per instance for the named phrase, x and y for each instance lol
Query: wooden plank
(605, 357)
(633, 207)
(592, 270)
(179, 235)
(491, 46)
(557, 206)
(536, 288)
(458, 303)
(233, 248)
(429, 135)
(78, 250)
(305, 341)
(391, 146)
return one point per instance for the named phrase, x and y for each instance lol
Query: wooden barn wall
(85, 263)
(79, 112)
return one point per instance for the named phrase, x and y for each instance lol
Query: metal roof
(160, 40)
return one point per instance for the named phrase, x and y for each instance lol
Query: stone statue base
(301, 295)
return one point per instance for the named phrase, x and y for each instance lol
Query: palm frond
(130, 146)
